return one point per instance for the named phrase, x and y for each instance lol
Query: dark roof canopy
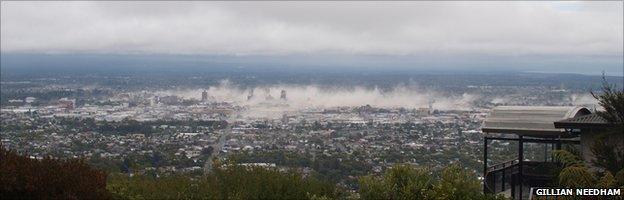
(535, 121)
(585, 121)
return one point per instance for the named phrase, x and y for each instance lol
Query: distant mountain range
(289, 64)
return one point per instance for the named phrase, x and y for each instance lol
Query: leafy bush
(24, 178)
(407, 182)
(576, 176)
(143, 187)
(566, 158)
(608, 154)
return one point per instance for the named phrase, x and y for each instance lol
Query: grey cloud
(268, 28)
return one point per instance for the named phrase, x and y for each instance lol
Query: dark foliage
(607, 154)
(607, 149)
(612, 101)
(24, 178)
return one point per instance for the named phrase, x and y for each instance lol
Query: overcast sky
(543, 29)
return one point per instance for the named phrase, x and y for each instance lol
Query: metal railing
(502, 165)
(499, 177)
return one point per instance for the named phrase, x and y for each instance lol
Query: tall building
(267, 92)
(431, 101)
(251, 94)
(204, 96)
(283, 95)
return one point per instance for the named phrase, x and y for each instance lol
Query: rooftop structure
(590, 128)
(585, 121)
(535, 121)
(67, 103)
(525, 124)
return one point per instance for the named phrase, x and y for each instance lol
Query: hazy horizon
(20, 62)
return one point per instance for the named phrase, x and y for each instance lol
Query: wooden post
(520, 163)
(514, 180)
(552, 149)
(503, 180)
(485, 157)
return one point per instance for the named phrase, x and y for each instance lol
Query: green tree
(607, 154)
(566, 158)
(457, 183)
(612, 101)
(607, 149)
(576, 176)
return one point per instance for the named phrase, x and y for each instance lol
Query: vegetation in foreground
(408, 182)
(22, 177)
(231, 182)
